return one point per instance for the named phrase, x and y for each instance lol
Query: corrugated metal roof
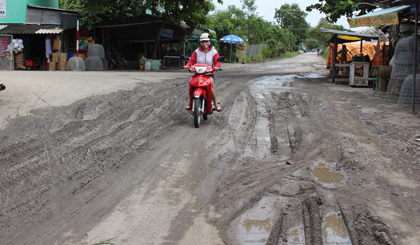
(53, 9)
(354, 34)
(30, 29)
(391, 10)
(50, 31)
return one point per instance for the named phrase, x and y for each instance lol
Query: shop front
(134, 39)
(45, 31)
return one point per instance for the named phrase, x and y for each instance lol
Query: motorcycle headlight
(200, 69)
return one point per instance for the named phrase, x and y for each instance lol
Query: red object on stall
(29, 63)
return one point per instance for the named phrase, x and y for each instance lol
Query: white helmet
(205, 37)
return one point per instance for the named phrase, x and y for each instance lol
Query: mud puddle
(255, 225)
(323, 174)
(277, 66)
(266, 84)
(334, 231)
(262, 90)
(313, 75)
(296, 236)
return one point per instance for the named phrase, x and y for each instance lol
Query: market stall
(346, 37)
(392, 16)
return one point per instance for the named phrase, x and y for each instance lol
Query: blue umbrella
(232, 39)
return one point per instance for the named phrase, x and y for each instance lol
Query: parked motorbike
(200, 91)
(2, 87)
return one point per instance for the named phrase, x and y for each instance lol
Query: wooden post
(182, 44)
(334, 57)
(383, 54)
(415, 56)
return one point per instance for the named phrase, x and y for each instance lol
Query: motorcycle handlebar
(187, 69)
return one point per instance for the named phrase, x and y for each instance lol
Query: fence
(254, 49)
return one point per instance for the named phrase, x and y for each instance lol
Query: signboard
(4, 42)
(386, 19)
(2, 8)
(6, 57)
(240, 50)
(413, 9)
(83, 43)
(166, 32)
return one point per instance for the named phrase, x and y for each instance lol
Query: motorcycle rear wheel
(197, 106)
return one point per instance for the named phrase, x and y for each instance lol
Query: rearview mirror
(221, 58)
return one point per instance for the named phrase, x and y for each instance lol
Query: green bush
(258, 58)
(272, 45)
(266, 53)
(324, 54)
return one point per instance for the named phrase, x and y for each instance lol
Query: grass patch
(289, 55)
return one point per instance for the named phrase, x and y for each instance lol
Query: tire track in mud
(55, 159)
(294, 122)
(243, 176)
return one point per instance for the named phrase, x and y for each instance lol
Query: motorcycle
(200, 91)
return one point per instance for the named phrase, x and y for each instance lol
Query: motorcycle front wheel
(197, 106)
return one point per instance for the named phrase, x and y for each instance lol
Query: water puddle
(267, 83)
(296, 236)
(276, 66)
(320, 65)
(314, 75)
(257, 230)
(323, 174)
(334, 230)
(254, 226)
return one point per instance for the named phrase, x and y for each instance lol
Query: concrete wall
(16, 9)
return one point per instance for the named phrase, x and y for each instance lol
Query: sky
(267, 9)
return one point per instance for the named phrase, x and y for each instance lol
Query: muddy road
(291, 159)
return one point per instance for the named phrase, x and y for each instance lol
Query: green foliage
(258, 58)
(315, 38)
(334, 9)
(291, 17)
(324, 53)
(289, 55)
(266, 53)
(69, 4)
(272, 45)
(193, 13)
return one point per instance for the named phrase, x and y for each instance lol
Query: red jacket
(209, 58)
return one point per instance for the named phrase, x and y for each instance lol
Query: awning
(129, 22)
(346, 36)
(50, 31)
(388, 16)
(14, 29)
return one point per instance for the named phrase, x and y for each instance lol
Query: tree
(69, 4)
(334, 9)
(292, 18)
(193, 13)
(316, 34)
(250, 22)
